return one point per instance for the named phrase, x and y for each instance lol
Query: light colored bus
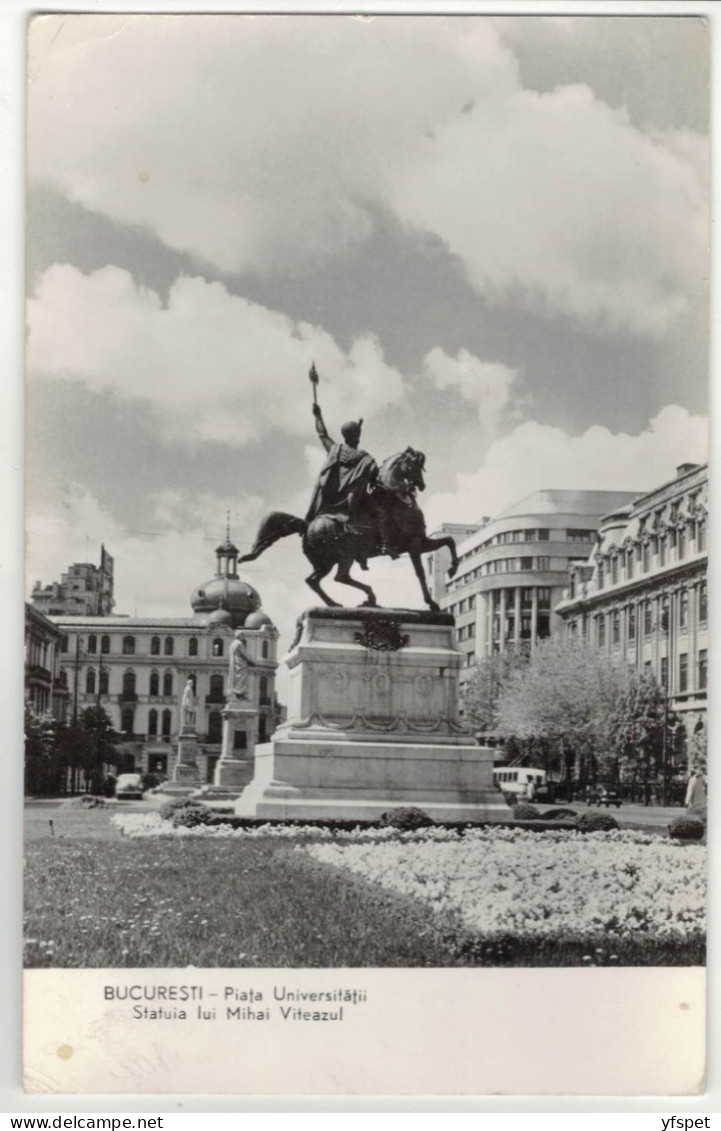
(516, 780)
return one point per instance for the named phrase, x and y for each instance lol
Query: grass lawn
(97, 899)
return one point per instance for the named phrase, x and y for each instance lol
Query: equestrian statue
(358, 510)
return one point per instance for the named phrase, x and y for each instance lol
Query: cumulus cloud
(254, 143)
(539, 456)
(554, 201)
(487, 384)
(219, 367)
(265, 144)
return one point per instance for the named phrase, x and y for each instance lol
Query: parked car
(604, 795)
(128, 786)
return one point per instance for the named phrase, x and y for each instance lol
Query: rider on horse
(347, 478)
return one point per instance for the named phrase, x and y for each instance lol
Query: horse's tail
(274, 526)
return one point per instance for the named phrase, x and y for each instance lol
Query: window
(683, 609)
(169, 646)
(168, 683)
(683, 672)
(526, 563)
(194, 681)
(262, 729)
(128, 684)
(647, 618)
(92, 644)
(90, 681)
(702, 603)
(601, 621)
(152, 722)
(155, 646)
(263, 689)
(127, 717)
(543, 626)
(616, 627)
(529, 535)
(544, 597)
(193, 646)
(217, 687)
(700, 536)
(105, 645)
(601, 576)
(703, 669)
(543, 563)
(128, 645)
(543, 535)
(614, 570)
(629, 565)
(662, 550)
(215, 727)
(166, 723)
(217, 646)
(631, 622)
(664, 672)
(681, 543)
(63, 643)
(154, 683)
(646, 556)
(526, 627)
(104, 674)
(264, 650)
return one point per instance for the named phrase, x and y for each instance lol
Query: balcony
(127, 697)
(37, 671)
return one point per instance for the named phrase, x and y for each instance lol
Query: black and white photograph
(366, 517)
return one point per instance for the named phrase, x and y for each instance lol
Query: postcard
(366, 621)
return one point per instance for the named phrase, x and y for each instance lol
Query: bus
(514, 781)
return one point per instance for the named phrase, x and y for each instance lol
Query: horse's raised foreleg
(421, 575)
(430, 544)
(342, 574)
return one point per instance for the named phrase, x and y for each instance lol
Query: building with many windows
(136, 669)
(642, 593)
(84, 590)
(513, 570)
(45, 681)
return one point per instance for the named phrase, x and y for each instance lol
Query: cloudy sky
(489, 233)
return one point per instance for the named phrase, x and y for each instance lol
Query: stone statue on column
(239, 663)
(188, 706)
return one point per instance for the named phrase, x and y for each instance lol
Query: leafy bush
(88, 801)
(525, 812)
(686, 828)
(559, 814)
(594, 821)
(170, 808)
(406, 819)
(192, 815)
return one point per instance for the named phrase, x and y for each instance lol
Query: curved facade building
(514, 569)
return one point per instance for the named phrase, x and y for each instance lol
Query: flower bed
(504, 881)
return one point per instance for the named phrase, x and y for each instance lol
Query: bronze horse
(388, 515)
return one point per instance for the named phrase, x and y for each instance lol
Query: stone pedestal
(186, 770)
(372, 724)
(235, 766)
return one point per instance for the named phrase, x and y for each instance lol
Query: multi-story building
(136, 668)
(45, 682)
(85, 590)
(513, 570)
(642, 592)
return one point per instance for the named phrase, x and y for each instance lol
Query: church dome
(229, 595)
(258, 619)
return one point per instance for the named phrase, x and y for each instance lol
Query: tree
(565, 695)
(96, 746)
(41, 767)
(481, 694)
(645, 733)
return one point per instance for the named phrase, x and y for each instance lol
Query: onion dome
(258, 619)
